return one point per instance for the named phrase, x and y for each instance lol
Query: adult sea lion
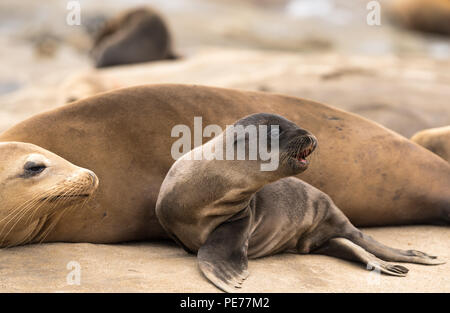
(436, 140)
(138, 35)
(228, 209)
(375, 176)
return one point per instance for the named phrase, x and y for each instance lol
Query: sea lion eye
(32, 168)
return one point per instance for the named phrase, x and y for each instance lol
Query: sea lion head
(289, 145)
(36, 188)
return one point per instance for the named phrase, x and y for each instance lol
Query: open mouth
(301, 157)
(298, 150)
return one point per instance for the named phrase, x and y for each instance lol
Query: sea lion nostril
(93, 178)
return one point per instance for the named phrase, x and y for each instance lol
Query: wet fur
(251, 215)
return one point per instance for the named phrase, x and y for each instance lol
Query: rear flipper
(345, 249)
(390, 254)
(223, 257)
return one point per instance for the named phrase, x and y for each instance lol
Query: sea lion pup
(135, 36)
(437, 140)
(37, 189)
(227, 210)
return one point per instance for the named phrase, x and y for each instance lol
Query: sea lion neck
(237, 199)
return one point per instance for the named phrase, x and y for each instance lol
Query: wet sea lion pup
(228, 210)
(135, 36)
(37, 189)
(437, 140)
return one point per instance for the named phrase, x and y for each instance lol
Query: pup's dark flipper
(223, 257)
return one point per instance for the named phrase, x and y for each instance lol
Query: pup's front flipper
(223, 257)
(345, 249)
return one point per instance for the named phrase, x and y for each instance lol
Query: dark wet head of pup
(292, 143)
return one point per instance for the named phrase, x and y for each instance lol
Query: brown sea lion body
(375, 176)
(135, 36)
(437, 140)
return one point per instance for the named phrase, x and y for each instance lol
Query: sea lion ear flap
(223, 257)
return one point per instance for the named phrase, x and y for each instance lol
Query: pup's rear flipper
(391, 254)
(345, 249)
(223, 257)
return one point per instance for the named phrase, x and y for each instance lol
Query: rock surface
(165, 267)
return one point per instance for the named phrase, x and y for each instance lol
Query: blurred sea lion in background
(436, 140)
(134, 36)
(87, 84)
(431, 16)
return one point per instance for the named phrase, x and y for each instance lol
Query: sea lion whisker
(55, 222)
(15, 219)
(29, 237)
(46, 230)
(41, 200)
(68, 209)
(20, 212)
(56, 219)
(45, 200)
(15, 212)
(18, 207)
(53, 212)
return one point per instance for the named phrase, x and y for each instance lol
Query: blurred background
(396, 73)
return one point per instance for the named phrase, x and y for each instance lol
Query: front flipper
(223, 257)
